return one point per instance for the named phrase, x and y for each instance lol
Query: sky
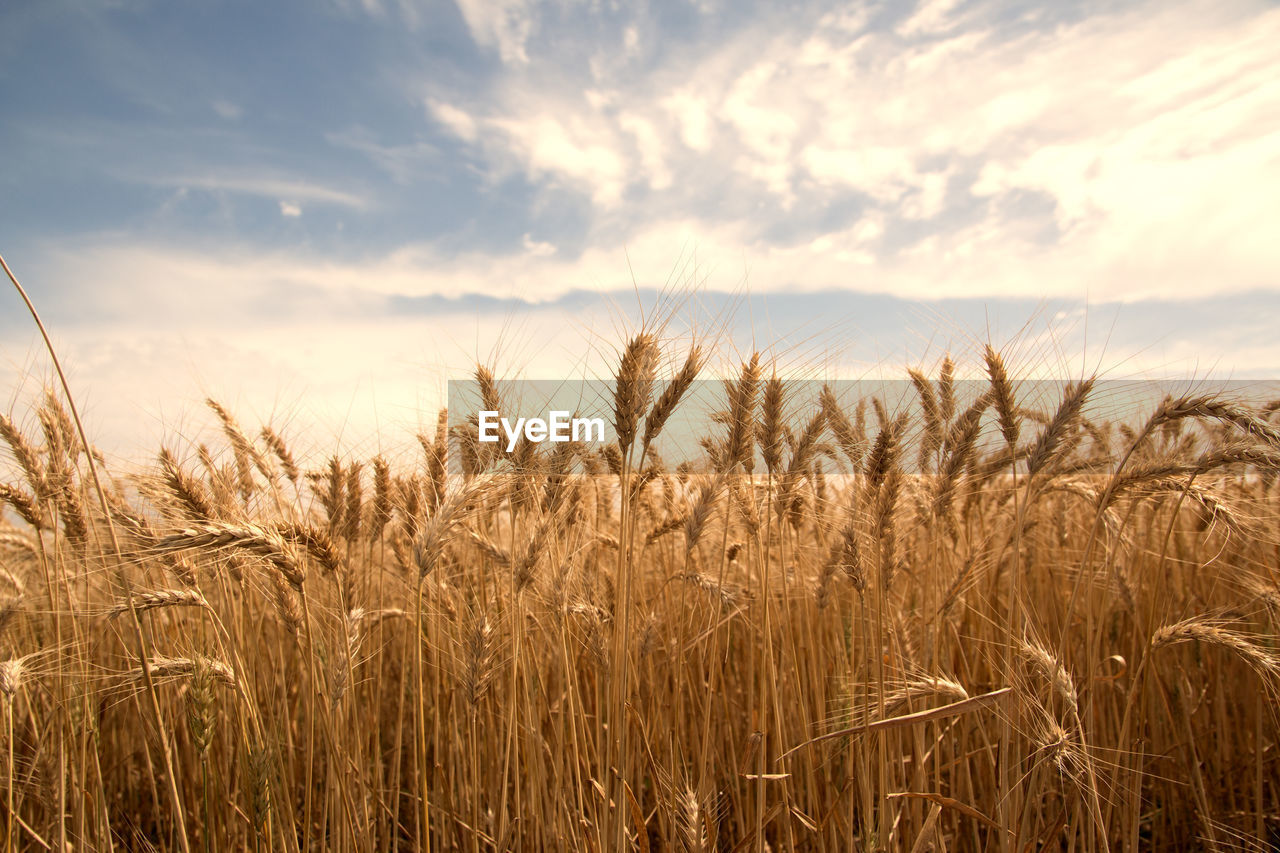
(319, 212)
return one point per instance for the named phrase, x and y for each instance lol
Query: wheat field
(971, 623)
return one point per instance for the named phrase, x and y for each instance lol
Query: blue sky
(321, 211)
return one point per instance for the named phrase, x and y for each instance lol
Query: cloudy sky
(319, 212)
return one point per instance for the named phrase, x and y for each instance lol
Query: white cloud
(235, 280)
(1147, 138)
(930, 16)
(265, 186)
(502, 24)
(766, 125)
(289, 209)
(580, 150)
(458, 121)
(927, 199)
(881, 172)
(537, 248)
(651, 149)
(1131, 153)
(693, 116)
(403, 163)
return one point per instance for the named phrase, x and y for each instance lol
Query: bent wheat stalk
(122, 575)
(964, 706)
